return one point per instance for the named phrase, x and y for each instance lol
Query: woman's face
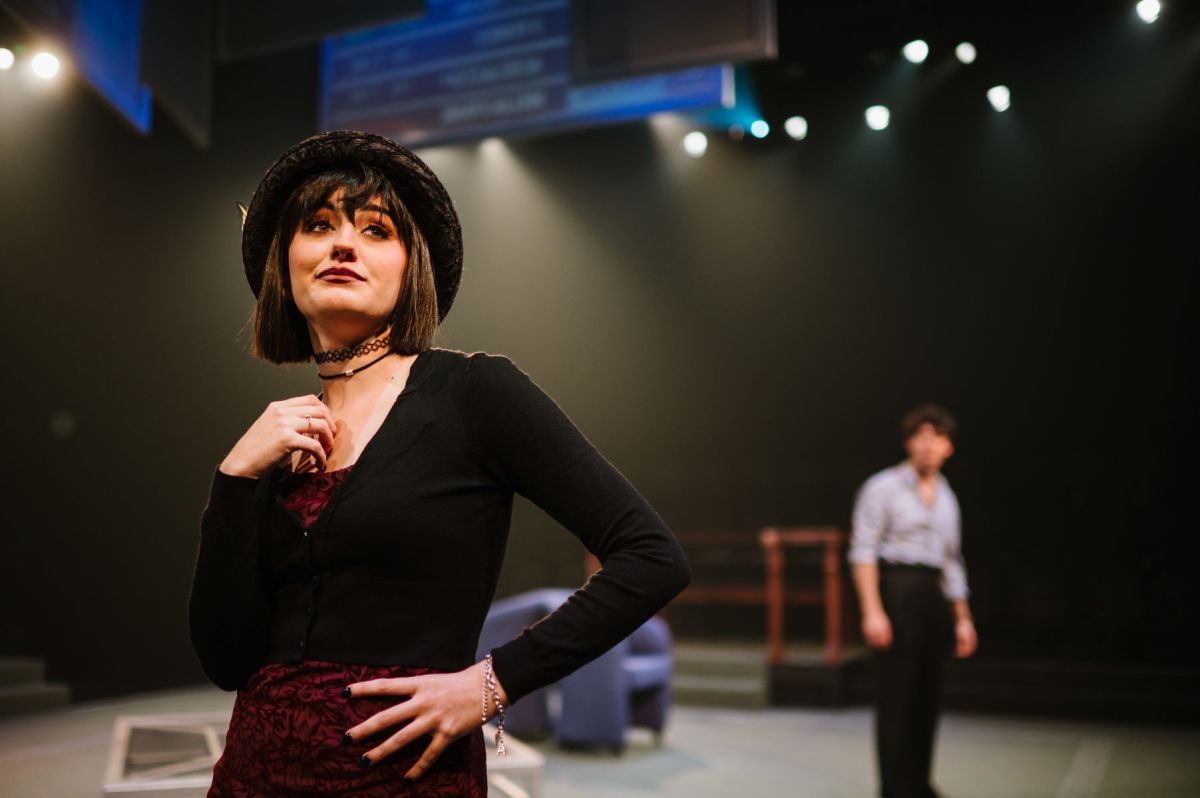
(342, 268)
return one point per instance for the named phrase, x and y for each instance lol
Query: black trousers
(909, 678)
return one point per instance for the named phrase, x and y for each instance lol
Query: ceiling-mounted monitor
(613, 39)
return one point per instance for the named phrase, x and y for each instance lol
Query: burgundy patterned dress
(284, 737)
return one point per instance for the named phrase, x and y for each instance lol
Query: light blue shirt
(892, 523)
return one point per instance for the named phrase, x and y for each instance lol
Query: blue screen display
(476, 68)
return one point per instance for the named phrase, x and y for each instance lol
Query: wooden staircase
(731, 675)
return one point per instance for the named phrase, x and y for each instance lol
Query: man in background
(912, 589)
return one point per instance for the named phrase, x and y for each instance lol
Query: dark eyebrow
(376, 208)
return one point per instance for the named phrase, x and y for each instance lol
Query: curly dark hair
(936, 415)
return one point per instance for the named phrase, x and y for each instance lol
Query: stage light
(7, 58)
(916, 51)
(492, 144)
(45, 65)
(966, 52)
(796, 127)
(999, 97)
(695, 143)
(760, 129)
(1149, 10)
(878, 117)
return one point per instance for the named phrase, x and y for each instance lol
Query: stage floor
(708, 752)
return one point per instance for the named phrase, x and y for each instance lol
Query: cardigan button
(308, 610)
(301, 644)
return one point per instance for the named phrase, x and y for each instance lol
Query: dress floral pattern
(284, 737)
(306, 493)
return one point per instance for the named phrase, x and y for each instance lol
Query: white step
(719, 691)
(16, 699)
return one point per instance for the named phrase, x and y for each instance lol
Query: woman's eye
(319, 225)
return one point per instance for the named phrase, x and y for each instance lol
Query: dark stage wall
(739, 334)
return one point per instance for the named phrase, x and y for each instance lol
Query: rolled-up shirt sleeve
(954, 571)
(867, 525)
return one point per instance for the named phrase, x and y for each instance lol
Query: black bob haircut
(280, 331)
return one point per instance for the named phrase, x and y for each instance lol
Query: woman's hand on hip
(302, 422)
(443, 705)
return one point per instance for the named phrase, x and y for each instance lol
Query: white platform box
(165, 756)
(517, 774)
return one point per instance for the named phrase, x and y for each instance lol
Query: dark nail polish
(407, 781)
(364, 762)
(347, 739)
(345, 692)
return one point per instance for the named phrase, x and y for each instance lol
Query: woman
(351, 543)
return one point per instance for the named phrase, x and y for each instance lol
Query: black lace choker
(347, 352)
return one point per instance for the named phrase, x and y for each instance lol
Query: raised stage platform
(738, 674)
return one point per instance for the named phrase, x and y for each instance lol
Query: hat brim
(417, 185)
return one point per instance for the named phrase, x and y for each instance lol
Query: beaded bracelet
(489, 685)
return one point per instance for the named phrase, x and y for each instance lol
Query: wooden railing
(774, 541)
(773, 594)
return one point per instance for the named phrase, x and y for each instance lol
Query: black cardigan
(401, 565)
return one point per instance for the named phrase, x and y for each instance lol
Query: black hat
(417, 185)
